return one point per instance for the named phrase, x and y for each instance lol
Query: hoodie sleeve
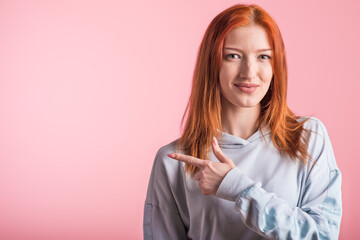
(318, 215)
(161, 220)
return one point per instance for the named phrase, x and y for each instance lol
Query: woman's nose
(248, 69)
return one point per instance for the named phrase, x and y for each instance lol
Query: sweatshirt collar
(232, 141)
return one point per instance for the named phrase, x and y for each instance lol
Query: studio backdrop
(90, 90)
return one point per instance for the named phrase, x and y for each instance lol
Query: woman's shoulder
(319, 141)
(314, 124)
(162, 159)
(168, 148)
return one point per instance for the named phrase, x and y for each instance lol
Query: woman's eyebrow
(259, 50)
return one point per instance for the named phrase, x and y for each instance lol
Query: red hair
(203, 109)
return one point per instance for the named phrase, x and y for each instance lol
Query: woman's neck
(240, 122)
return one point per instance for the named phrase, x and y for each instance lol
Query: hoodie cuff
(233, 184)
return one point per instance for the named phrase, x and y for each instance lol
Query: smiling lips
(247, 87)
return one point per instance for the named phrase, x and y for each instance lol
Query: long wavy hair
(203, 109)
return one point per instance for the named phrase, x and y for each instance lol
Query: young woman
(245, 166)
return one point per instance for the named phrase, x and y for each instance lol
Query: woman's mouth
(247, 87)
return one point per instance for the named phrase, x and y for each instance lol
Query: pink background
(90, 90)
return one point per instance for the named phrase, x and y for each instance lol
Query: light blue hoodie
(266, 196)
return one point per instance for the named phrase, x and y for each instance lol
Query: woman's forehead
(248, 36)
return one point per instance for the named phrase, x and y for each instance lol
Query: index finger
(188, 159)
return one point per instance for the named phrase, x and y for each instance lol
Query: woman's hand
(211, 173)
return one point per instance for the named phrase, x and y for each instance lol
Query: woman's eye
(233, 56)
(265, 57)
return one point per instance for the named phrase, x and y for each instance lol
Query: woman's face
(246, 69)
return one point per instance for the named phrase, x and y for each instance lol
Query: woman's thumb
(219, 154)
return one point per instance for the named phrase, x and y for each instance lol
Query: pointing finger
(188, 159)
